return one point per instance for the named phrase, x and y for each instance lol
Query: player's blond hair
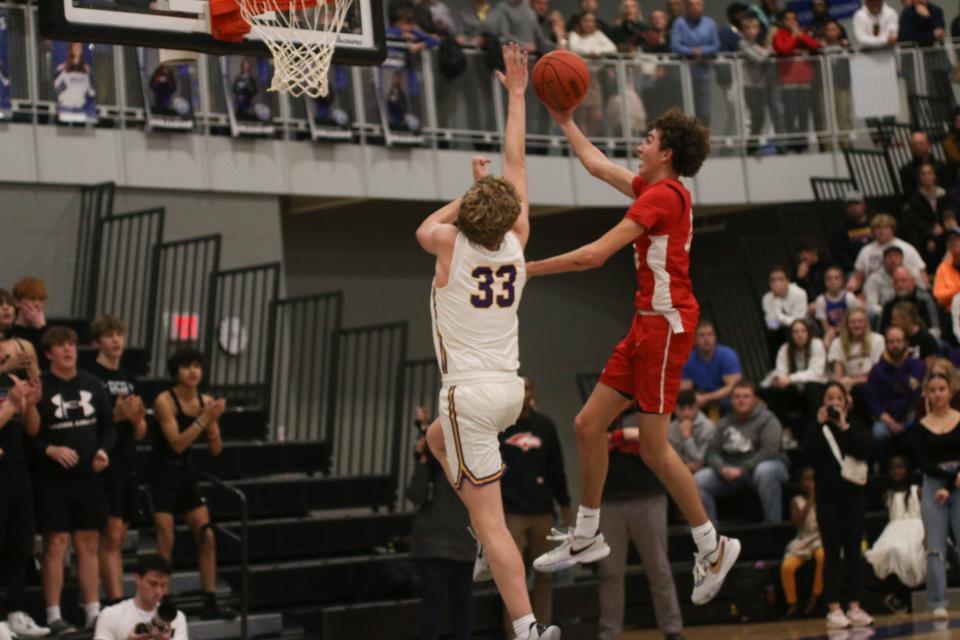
(488, 210)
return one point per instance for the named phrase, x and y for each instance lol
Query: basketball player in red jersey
(645, 367)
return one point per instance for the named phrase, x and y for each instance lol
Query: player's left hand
(479, 165)
(100, 461)
(515, 60)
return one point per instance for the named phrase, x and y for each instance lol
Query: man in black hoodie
(76, 436)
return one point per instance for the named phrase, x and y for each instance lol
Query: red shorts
(647, 364)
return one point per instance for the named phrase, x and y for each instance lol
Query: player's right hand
(64, 456)
(479, 166)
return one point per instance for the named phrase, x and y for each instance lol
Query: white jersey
(475, 314)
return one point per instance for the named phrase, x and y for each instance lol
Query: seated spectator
(951, 142)
(946, 282)
(841, 505)
(8, 311)
(658, 39)
(922, 345)
(634, 510)
(870, 258)
(804, 547)
(899, 552)
(745, 454)
(796, 76)
(831, 306)
(892, 387)
(852, 356)
(925, 215)
(811, 269)
(784, 303)
(152, 582)
(690, 431)
(793, 389)
(879, 289)
(711, 371)
(922, 23)
(440, 544)
(30, 295)
(921, 152)
(855, 234)
(905, 289)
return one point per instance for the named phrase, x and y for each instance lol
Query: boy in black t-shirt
(119, 479)
(71, 450)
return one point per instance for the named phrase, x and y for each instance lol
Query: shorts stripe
(436, 321)
(663, 368)
(463, 470)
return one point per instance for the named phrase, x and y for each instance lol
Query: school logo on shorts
(525, 441)
(63, 407)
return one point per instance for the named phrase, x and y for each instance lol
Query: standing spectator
(795, 385)
(841, 504)
(635, 510)
(119, 479)
(856, 233)
(811, 269)
(711, 371)
(921, 153)
(588, 41)
(745, 453)
(690, 431)
(853, 355)
(879, 288)
(72, 449)
(515, 21)
(804, 547)
(820, 21)
(951, 142)
(730, 33)
(589, 6)
(936, 446)
(834, 40)
(922, 345)
(922, 23)
(728, 37)
(946, 282)
(760, 90)
(658, 39)
(536, 483)
(441, 545)
(796, 76)
(675, 9)
(185, 415)
(551, 22)
(875, 25)
(17, 356)
(832, 305)
(892, 387)
(474, 21)
(436, 18)
(905, 289)
(870, 258)
(925, 215)
(18, 419)
(629, 31)
(152, 581)
(784, 303)
(30, 295)
(694, 36)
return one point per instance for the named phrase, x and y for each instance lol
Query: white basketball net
(301, 35)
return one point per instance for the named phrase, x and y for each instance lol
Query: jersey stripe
(443, 351)
(463, 469)
(657, 261)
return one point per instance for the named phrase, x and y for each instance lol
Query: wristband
(200, 425)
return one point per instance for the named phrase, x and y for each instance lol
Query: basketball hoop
(301, 36)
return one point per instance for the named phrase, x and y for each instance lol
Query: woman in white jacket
(782, 305)
(793, 389)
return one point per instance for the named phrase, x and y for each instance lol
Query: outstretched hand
(479, 165)
(515, 60)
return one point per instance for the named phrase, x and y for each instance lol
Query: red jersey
(662, 254)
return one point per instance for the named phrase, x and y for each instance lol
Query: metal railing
(96, 204)
(243, 539)
(468, 111)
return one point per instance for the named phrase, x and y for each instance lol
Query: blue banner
(839, 9)
(245, 82)
(5, 106)
(73, 83)
(167, 92)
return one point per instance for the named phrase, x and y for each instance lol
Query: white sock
(53, 613)
(705, 537)
(521, 626)
(92, 609)
(588, 521)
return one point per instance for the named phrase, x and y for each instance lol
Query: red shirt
(662, 254)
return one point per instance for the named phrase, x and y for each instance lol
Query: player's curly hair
(686, 137)
(488, 210)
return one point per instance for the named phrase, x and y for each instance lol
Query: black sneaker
(60, 627)
(213, 610)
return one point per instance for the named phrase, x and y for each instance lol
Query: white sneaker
(940, 613)
(542, 632)
(837, 620)
(23, 626)
(5, 632)
(708, 578)
(572, 550)
(859, 618)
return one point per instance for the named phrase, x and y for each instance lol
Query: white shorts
(472, 416)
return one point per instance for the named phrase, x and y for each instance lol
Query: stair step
(259, 625)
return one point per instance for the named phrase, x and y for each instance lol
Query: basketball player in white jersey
(478, 281)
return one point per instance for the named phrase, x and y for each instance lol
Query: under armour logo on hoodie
(62, 407)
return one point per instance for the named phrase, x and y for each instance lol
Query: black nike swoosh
(574, 551)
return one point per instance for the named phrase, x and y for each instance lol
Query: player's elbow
(590, 258)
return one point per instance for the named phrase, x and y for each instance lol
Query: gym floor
(902, 626)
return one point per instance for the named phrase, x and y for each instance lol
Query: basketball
(560, 79)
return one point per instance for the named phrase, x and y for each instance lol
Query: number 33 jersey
(475, 314)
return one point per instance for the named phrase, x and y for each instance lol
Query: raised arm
(515, 135)
(437, 226)
(592, 159)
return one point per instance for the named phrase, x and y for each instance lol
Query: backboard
(185, 25)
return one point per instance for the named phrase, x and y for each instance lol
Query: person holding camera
(185, 415)
(149, 614)
(836, 447)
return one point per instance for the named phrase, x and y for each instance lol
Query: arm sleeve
(820, 313)
(863, 32)
(907, 28)
(651, 207)
(678, 38)
(874, 393)
(769, 313)
(713, 42)
(556, 474)
(912, 259)
(106, 431)
(810, 42)
(815, 368)
(932, 312)
(784, 43)
(687, 372)
(872, 292)
(770, 440)
(781, 367)
(730, 363)
(714, 455)
(753, 53)
(798, 303)
(696, 446)
(856, 442)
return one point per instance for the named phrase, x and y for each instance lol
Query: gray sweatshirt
(516, 22)
(745, 444)
(694, 448)
(757, 66)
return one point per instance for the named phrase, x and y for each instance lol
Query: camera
(162, 621)
(832, 413)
